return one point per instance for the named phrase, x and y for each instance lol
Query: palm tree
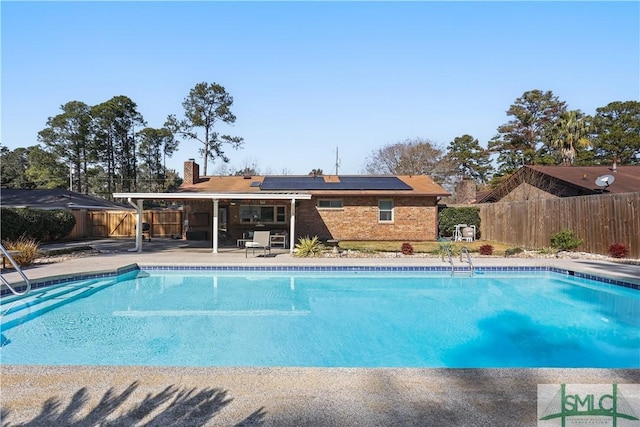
(570, 132)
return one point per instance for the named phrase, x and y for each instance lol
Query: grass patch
(431, 247)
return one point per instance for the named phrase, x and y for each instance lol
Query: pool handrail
(8, 256)
(465, 250)
(447, 249)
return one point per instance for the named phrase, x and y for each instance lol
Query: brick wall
(198, 213)
(414, 219)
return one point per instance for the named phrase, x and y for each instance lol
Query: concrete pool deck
(161, 252)
(128, 396)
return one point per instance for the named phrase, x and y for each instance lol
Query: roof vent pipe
(614, 167)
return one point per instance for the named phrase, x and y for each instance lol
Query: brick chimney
(191, 172)
(466, 191)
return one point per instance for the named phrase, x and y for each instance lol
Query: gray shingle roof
(55, 199)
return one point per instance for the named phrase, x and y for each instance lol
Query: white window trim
(393, 206)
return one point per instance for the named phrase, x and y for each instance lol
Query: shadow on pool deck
(170, 405)
(155, 396)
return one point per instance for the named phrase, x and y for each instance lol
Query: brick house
(333, 207)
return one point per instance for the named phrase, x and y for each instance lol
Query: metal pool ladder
(8, 256)
(465, 250)
(447, 250)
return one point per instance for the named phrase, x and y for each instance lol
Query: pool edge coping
(119, 271)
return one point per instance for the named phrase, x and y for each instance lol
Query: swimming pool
(334, 318)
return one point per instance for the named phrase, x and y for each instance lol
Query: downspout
(138, 208)
(437, 230)
(214, 231)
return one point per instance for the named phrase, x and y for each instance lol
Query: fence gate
(123, 223)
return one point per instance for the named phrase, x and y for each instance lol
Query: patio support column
(139, 225)
(214, 231)
(292, 226)
(138, 206)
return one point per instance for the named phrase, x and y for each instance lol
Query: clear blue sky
(308, 77)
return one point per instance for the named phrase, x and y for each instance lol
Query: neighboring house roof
(322, 185)
(55, 199)
(481, 195)
(567, 181)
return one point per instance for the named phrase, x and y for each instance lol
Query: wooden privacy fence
(82, 228)
(599, 220)
(123, 223)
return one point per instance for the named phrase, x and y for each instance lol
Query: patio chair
(260, 241)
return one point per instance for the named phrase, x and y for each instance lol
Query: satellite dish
(605, 180)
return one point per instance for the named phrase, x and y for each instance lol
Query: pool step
(18, 310)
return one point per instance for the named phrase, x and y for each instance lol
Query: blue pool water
(326, 319)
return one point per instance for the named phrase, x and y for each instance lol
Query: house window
(385, 210)
(330, 203)
(262, 214)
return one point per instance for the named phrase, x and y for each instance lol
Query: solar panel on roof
(375, 183)
(288, 183)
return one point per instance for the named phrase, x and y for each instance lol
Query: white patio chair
(260, 241)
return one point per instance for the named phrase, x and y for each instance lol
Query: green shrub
(35, 224)
(309, 247)
(11, 224)
(513, 251)
(565, 240)
(61, 222)
(443, 247)
(450, 217)
(28, 247)
(41, 225)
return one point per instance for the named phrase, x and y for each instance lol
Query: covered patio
(136, 201)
